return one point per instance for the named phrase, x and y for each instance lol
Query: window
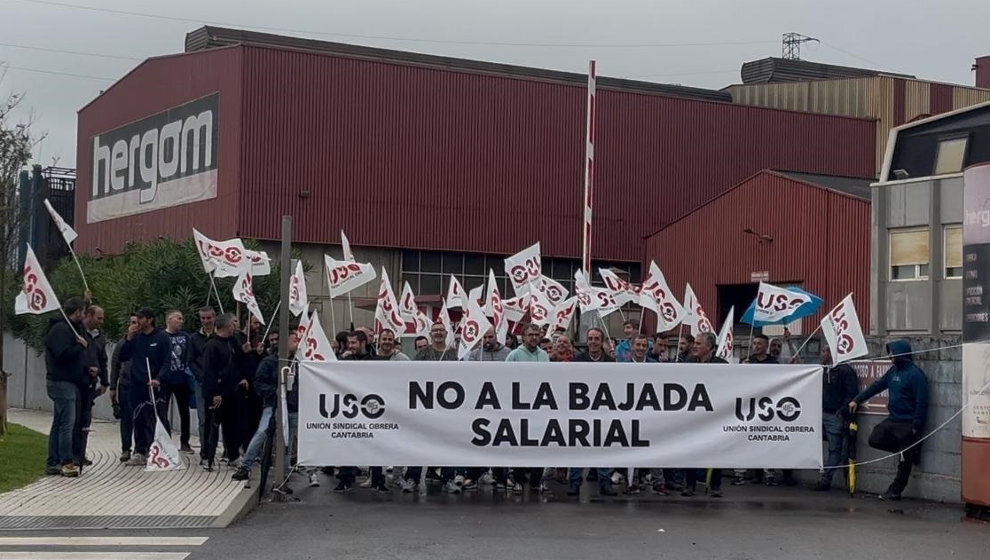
(951, 154)
(952, 251)
(909, 254)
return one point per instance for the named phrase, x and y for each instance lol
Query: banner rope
(920, 440)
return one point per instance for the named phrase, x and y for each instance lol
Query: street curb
(242, 505)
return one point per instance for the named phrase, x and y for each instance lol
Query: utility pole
(283, 345)
(791, 48)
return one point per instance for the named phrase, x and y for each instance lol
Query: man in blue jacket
(177, 378)
(148, 349)
(907, 387)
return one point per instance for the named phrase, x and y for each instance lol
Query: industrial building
(430, 164)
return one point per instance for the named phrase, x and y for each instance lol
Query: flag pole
(272, 322)
(79, 266)
(333, 320)
(74, 331)
(749, 352)
(216, 291)
(805, 343)
(350, 307)
(677, 351)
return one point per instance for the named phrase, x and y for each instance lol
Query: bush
(163, 275)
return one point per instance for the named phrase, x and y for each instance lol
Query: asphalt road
(748, 523)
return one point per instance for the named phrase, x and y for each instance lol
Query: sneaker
(409, 486)
(738, 481)
(366, 483)
(822, 486)
(544, 489)
(342, 488)
(184, 448)
(314, 480)
(660, 489)
(69, 471)
(716, 493)
(487, 479)
(889, 496)
(382, 489)
(632, 489)
(125, 456)
(459, 480)
(53, 471)
(470, 484)
(452, 487)
(241, 474)
(498, 487)
(772, 482)
(137, 460)
(618, 478)
(86, 462)
(687, 493)
(517, 488)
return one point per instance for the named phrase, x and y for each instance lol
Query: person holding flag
(64, 353)
(758, 351)
(839, 386)
(148, 348)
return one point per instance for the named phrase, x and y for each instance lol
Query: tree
(15, 152)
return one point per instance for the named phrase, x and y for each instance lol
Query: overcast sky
(933, 40)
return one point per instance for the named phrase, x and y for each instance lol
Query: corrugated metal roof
(209, 37)
(853, 186)
(777, 70)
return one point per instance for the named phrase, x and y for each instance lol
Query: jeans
(182, 394)
(64, 396)
(258, 440)
(832, 425)
(576, 477)
(126, 418)
(84, 417)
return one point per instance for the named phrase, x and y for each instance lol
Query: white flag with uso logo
(843, 332)
(37, 295)
(474, 325)
(298, 298)
(223, 259)
(477, 414)
(524, 268)
(344, 276)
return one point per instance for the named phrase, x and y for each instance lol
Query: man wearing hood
(64, 362)
(491, 350)
(907, 404)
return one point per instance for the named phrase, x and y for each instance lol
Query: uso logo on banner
(338, 275)
(394, 317)
(37, 298)
(229, 255)
(470, 332)
(527, 271)
(845, 342)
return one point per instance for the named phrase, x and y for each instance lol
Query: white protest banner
(694, 316)
(657, 296)
(474, 325)
(387, 315)
(495, 309)
(37, 295)
(455, 293)
(244, 293)
(622, 291)
(346, 247)
(562, 315)
(65, 229)
(261, 265)
(225, 259)
(554, 291)
(774, 303)
(576, 414)
(515, 309)
(843, 332)
(524, 268)
(445, 321)
(298, 298)
(344, 276)
(315, 345)
(726, 340)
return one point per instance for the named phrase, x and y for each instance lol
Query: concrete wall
(931, 306)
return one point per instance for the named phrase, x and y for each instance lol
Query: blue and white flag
(777, 306)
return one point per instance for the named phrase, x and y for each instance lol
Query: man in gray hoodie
(491, 349)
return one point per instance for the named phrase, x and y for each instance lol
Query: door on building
(739, 296)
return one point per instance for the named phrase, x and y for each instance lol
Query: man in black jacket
(207, 320)
(703, 352)
(839, 386)
(147, 348)
(95, 383)
(266, 387)
(221, 377)
(65, 371)
(120, 396)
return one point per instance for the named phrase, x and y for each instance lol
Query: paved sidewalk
(110, 495)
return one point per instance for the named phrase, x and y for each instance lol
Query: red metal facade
(155, 85)
(940, 98)
(821, 240)
(400, 155)
(982, 68)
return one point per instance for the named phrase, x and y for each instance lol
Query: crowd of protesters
(230, 376)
